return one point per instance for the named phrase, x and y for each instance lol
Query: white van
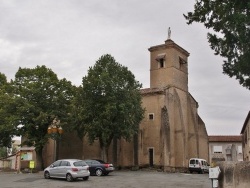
(198, 165)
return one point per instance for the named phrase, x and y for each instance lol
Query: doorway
(151, 156)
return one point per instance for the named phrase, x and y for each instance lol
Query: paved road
(117, 179)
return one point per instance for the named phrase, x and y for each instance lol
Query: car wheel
(69, 177)
(98, 172)
(46, 175)
(85, 178)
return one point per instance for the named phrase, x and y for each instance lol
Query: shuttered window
(217, 149)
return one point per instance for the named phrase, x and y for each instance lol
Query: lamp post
(55, 131)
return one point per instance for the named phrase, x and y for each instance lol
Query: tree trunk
(57, 142)
(114, 152)
(39, 159)
(104, 153)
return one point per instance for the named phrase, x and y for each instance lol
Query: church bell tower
(169, 65)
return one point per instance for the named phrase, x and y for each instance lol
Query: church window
(160, 58)
(161, 63)
(151, 116)
(182, 61)
(217, 149)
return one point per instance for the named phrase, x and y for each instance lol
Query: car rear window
(80, 163)
(100, 161)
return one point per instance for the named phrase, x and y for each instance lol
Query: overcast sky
(68, 36)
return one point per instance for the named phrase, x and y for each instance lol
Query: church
(171, 132)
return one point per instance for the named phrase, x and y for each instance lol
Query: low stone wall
(234, 174)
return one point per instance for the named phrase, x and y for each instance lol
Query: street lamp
(55, 131)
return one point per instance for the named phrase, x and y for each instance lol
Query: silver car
(70, 169)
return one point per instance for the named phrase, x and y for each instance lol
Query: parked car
(98, 167)
(70, 169)
(198, 165)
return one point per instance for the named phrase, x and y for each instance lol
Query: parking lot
(117, 179)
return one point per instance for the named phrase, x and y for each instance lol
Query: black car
(98, 167)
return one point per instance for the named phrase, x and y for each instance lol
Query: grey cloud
(68, 36)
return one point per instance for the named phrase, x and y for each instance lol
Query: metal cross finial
(169, 33)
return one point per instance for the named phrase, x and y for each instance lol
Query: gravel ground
(117, 179)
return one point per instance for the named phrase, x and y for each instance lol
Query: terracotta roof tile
(225, 138)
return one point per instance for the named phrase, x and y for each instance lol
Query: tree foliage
(7, 118)
(230, 19)
(40, 97)
(3, 152)
(109, 103)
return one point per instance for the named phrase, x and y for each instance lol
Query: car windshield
(80, 163)
(192, 161)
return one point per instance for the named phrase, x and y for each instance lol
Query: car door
(206, 166)
(54, 171)
(62, 169)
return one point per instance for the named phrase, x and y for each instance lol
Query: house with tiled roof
(225, 148)
(245, 132)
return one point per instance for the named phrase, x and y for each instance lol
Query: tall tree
(7, 119)
(111, 103)
(42, 97)
(230, 19)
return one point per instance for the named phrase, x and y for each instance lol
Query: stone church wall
(149, 137)
(203, 140)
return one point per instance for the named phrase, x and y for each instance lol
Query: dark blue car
(98, 167)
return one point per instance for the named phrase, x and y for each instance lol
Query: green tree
(110, 103)
(230, 20)
(41, 97)
(7, 119)
(3, 152)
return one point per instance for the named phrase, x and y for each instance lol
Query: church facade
(171, 132)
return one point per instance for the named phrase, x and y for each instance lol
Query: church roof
(169, 44)
(151, 90)
(148, 91)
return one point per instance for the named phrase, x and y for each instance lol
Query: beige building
(246, 138)
(171, 132)
(225, 148)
